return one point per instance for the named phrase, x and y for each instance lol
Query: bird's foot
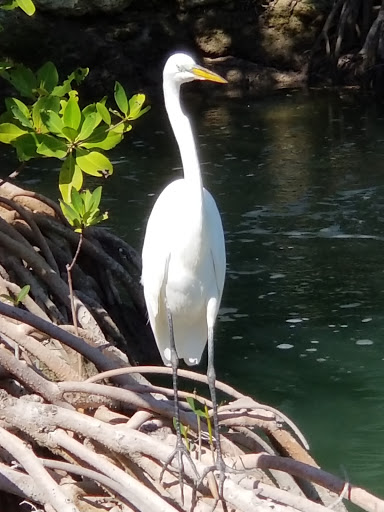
(180, 451)
(222, 469)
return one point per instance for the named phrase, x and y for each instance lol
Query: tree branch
(51, 491)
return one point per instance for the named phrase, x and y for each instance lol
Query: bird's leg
(180, 448)
(211, 375)
(219, 464)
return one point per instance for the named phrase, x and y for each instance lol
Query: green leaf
(87, 198)
(26, 146)
(22, 79)
(103, 111)
(91, 109)
(142, 112)
(70, 176)
(23, 293)
(8, 298)
(70, 133)
(53, 122)
(9, 6)
(5, 65)
(103, 139)
(12, 102)
(121, 98)
(93, 162)
(135, 104)
(127, 127)
(191, 403)
(89, 124)
(27, 6)
(72, 217)
(77, 202)
(47, 76)
(42, 104)
(52, 147)
(96, 219)
(95, 198)
(72, 114)
(10, 132)
(209, 425)
(21, 117)
(20, 111)
(78, 75)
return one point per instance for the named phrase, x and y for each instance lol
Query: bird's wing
(216, 236)
(157, 248)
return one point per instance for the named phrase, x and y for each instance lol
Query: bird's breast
(190, 279)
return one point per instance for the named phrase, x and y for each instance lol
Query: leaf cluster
(50, 123)
(201, 413)
(15, 301)
(83, 209)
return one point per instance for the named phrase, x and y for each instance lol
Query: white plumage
(184, 251)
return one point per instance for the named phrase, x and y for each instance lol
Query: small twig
(69, 268)
(54, 281)
(13, 174)
(101, 256)
(341, 496)
(69, 273)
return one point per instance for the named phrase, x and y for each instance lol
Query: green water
(299, 180)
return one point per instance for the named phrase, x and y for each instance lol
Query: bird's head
(181, 68)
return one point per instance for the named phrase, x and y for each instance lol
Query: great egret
(184, 250)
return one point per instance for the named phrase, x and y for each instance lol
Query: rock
(215, 43)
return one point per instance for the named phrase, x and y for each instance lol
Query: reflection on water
(300, 184)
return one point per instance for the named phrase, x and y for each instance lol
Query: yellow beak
(206, 74)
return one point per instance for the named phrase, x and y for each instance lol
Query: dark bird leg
(211, 375)
(180, 448)
(219, 464)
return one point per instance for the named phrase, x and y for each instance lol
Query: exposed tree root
(349, 48)
(70, 443)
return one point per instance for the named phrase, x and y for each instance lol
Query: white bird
(184, 250)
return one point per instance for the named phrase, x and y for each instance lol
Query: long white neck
(184, 136)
